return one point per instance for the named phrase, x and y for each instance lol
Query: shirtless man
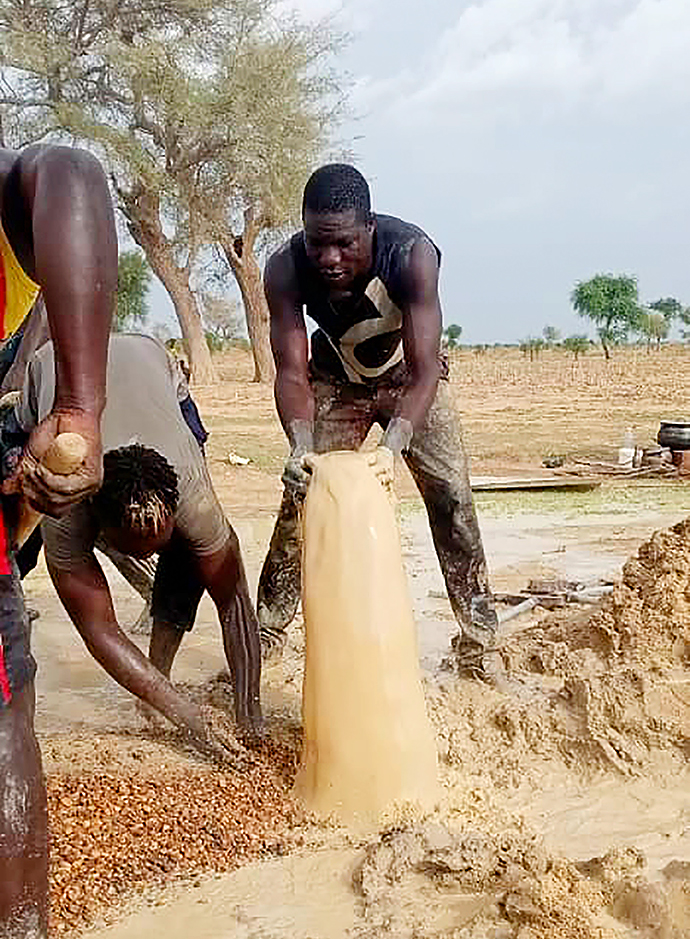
(370, 283)
(57, 237)
(156, 498)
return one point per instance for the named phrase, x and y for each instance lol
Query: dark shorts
(177, 588)
(17, 665)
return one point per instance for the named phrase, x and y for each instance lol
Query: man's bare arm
(293, 394)
(65, 194)
(294, 397)
(85, 595)
(421, 333)
(222, 574)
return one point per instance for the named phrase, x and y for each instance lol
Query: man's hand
(50, 493)
(396, 438)
(214, 736)
(204, 728)
(297, 473)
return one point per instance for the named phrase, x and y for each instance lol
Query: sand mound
(505, 884)
(605, 688)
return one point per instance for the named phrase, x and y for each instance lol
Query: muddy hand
(216, 738)
(53, 493)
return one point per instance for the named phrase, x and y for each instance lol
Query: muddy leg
(23, 824)
(438, 463)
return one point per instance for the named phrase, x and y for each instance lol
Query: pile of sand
(504, 884)
(596, 689)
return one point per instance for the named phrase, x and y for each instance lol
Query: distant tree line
(611, 302)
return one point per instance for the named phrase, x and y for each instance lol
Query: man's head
(338, 225)
(136, 504)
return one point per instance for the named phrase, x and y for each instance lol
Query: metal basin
(675, 435)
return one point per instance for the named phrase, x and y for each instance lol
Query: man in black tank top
(370, 283)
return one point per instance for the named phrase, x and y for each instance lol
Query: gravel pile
(113, 834)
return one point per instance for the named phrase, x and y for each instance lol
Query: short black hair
(139, 490)
(337, 187)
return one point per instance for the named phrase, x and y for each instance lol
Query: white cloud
(515, 54)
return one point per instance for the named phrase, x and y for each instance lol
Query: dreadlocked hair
(337, 187)
(139, 490)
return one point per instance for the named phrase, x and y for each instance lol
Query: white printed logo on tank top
(389, 321)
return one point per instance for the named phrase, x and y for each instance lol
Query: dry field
(515, 412)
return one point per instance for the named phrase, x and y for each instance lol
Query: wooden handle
(65, 454)
(63, 457)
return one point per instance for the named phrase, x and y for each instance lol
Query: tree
(578, 344)
(611, 303)
(222, 319)
(532, 346)
(133, 282)
(451, 335)
(654, 327)
(209, 114)
(668, 307)
(684, 317)
(551, 336)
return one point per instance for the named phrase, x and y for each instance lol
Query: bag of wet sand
(368, 745)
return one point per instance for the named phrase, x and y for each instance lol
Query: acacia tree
(653, 327)
(451, 335)
(577, 344)
(668, 307)
(209, 114)
(611, 303)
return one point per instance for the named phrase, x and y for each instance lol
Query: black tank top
(362, 339)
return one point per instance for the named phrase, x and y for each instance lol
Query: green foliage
(451, 335)
(133, 282)
(684, 318)
(532, 346)
(208, 114)
(668, 307)
(654, 327)
(577, 344)
(611, 303)
(551, 336)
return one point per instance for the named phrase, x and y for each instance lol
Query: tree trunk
(607, 354)
(240, 256)
(141, 208)
(258, 321)
(176, 282)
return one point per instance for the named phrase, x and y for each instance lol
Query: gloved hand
(296, 475)
(396, 438)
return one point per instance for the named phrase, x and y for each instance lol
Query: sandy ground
(509, 853)
(578, 815)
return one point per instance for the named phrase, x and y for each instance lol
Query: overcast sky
(537, 141)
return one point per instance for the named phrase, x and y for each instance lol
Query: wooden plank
(518, 484)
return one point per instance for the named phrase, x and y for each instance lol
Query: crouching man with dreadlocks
(156, 497)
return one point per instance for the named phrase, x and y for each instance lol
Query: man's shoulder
(282, 269)
(396, 231)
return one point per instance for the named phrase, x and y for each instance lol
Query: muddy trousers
(436, 458)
